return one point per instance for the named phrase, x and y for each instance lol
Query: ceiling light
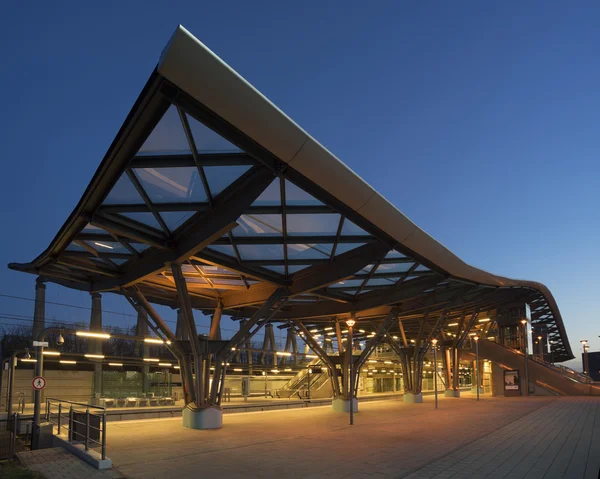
(115, 364)
(90, 334)
(64, 361)
(94, 356)
(165, 364)
(103, 245)
(453, 324)
(484, 320)
(151, 360)
(25, 360)
(51, 353)
(283, 353)
(237, 370)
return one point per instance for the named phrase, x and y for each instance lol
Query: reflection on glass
(309, 251)
(260, 251)
(313, 225)
(172, 185)
(258, 225)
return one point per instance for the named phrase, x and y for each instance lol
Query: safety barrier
(81, 424)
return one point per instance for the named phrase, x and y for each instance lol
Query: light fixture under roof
(102, 245)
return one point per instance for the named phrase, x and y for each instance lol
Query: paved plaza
(496, 437)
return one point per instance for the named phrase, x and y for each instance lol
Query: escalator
(556, 379)
(297, 387)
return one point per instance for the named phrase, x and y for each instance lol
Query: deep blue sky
(477, 119)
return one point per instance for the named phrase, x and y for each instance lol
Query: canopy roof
(206, 172)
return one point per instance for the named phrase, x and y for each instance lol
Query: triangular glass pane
(208, 141)
(260, 251)
(90, 228)
(168, 137)
(348, 283)
(174, 219)
(350, 228)
(75, 247)
(172, 185)
(295, 196)
(139, 247)
(345, 247)
(271, 195)
(394, 254)
(313, 225)
(223, 249)
(278, 268)
(309, 251)
(393, 268)
(381, 282)
(258, 225)
(422, 268)
(123, 193)
(220, 177)
(119, 261)
(147, 219)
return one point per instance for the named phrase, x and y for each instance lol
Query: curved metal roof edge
(193, 67)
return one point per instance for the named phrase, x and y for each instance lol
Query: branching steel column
(375, 340)
(190, 326)
(215, 323)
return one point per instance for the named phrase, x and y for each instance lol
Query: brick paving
(389, 439)
(57, 463)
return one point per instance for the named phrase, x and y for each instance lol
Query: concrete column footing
(208, 418)
(412, 398)
(452, 393)
(343, 405)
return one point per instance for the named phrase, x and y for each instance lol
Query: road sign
(38, 383)
(43, 344)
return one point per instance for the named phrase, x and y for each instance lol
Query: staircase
(557, 379)
(298, 385)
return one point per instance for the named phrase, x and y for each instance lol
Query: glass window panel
(382, 281)
(172, 185)
(209, 269)
(168, 136)
(139, 247)
(394, 254)
(349, 283)
(309, 251)
(147, 219)
(295, 196)
(422, 268)
(350, 228)
(393, 268)
(220, 177)
(317, 225)
(278, 269)
(368, 268)
(260, 251)
(258, 225)
(271, 196)
(208, 141)
(123, 193)
(174, 219)
(108, 247)
(345, 247)
(223, 248)
(75, 247)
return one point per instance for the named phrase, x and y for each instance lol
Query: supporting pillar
(180, 331)
(95, 345)
(215, 323)
(142, 348)
(453, 390)
(39, 310)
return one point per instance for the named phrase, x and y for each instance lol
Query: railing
(81, 425)
(15, 435)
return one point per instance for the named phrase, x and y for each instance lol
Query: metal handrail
(71, 432)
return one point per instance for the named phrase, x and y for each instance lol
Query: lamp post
(524, 323)
(476, 338)
(350, 323)
(585, 356)
(434, 342)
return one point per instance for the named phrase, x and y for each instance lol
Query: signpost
(38, 383)
(40, 344)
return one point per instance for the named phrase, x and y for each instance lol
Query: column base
(412, 398)
(343, 405)
(206, 418)
(452, 393)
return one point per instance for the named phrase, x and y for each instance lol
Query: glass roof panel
(75, 247)
(393, 268)
(174, 219)
(139, 247)
(382, 282)
(123, 193)
(278, 268)
(295, 196)
(208, 141)
(260, 251)
(90, 228)
(223, 248)
(348, 283)
(294, 268)
(108, 246)
(258, 225)
(168, 137)
(210, 269)
(313, 225)
(231, 282)
(345, 247)
(118, 261)
(271, 196)
(309, 251)
(172, 185)
(350, 228)
(147, 219)
(195, 279)
(394, 254)
(220, 177)
(422, 268)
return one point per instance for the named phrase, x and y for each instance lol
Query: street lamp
(350, 323)
(586, 366)
(524, 323)
(476, 338)
(434, 342)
